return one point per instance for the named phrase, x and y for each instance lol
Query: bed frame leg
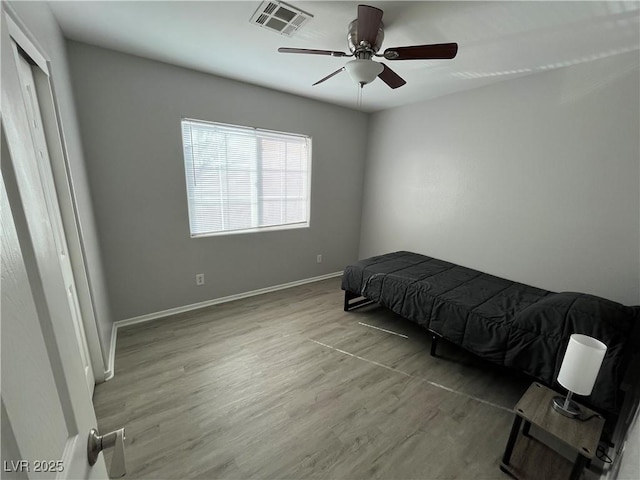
(348, 296)
(434, 342)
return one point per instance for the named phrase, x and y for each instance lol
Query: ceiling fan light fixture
(363, 71)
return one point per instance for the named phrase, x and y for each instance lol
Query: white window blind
(243, 179)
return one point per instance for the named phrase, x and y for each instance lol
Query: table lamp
(578, 371)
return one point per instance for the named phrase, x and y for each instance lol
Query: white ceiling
(497, 41)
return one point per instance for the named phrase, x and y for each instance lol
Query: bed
(505, 322)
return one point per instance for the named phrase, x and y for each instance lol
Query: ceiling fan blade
(422, 52)
(312, 51)
(369, 20)
(391, 78)
(328, 76)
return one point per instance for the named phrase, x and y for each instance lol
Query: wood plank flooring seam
(362, 358)
(383, 330)
(434, 384)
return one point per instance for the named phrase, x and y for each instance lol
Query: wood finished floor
(288, 386)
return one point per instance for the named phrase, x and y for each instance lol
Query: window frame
(286, 226)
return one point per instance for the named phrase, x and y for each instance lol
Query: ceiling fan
(365, 37)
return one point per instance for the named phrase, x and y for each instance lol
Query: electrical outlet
(319, 258)
(199, 279)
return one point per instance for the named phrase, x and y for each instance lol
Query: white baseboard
(195, 306)
(108, 374)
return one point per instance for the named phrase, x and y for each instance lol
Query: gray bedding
(505, 322)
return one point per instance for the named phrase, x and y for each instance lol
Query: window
(243, 179)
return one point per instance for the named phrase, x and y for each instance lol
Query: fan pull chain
(360, 95)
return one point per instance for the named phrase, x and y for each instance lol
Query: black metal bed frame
(363, 301)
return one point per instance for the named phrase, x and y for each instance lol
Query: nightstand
(527, 457)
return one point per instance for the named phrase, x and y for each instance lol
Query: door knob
(97, 443)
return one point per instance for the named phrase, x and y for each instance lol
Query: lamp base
(567, 408)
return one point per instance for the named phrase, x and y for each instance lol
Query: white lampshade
(581, 364)
(363, 71)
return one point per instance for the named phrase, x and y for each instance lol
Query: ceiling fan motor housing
(365, 50)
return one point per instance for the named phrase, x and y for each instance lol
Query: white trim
(67, 456)
(272, 228)
(108, 374)
(25, 40)
(195, 306)
(62, 180)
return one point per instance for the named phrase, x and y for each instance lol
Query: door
(45, 178)
(45, 401)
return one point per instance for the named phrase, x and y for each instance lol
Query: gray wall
(38, 19)
(535, 179)
(130, 109)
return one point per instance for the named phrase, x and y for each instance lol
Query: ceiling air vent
(280, 17)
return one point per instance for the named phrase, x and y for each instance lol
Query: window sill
(252, 230)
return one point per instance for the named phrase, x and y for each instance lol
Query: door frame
(63, 182)
(39, 319)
